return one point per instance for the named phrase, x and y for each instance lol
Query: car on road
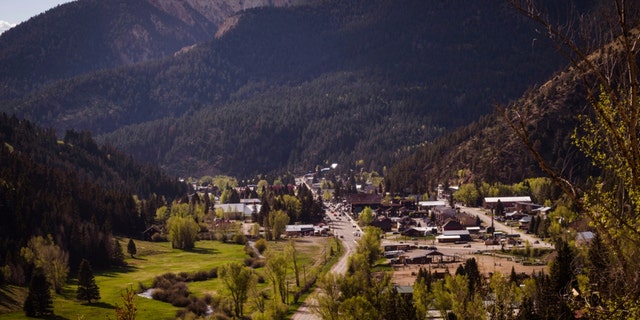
(467, 245)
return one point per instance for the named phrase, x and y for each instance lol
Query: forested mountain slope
(489, 150)
(88, 35)
(73, 190)
(289, 88)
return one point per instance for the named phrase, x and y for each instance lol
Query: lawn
(154, 259)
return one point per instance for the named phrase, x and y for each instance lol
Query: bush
(239, 239)
(198, 276)
(213, 273)
(261, 245)
(258, 263)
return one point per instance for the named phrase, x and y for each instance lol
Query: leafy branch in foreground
(610, 135)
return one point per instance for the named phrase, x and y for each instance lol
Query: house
(148, 234)
(525, 221)
(451, 225)
(442, 214)
(415, 232)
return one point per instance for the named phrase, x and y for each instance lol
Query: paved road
(344, 229)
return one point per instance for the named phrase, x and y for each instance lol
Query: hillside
(74, 190)
(291, 88)
(89, 35)
(488, 150)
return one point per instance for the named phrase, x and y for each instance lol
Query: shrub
(239, 239)
(261, 245)
(213, 273)
(258, 263)
(198, 276)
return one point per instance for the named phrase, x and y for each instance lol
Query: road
(343, 228)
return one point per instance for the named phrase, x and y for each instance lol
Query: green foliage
(183, 232)
(261, 245)
(278, 221)
(366, 217)
(369, 244)
(87, 288)
(44, 254)
(238, 280)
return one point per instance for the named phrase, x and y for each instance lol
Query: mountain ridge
(415, 70)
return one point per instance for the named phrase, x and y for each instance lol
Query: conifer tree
(38, 302)
(87, 287)
(118, 254)
(131, 248)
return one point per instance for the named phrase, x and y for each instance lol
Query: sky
(13, 12)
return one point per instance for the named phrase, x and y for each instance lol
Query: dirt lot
(405, 275)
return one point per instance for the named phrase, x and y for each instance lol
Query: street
(343, 228)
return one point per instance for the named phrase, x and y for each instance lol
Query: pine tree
(38, 302)
(87, 287)
(118, 254)
(131, 248)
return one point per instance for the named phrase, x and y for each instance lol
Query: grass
(154, 259)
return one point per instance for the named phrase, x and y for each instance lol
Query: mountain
(4, 26)
(286, 89)
(88, 35)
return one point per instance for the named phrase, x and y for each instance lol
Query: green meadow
(152, 259)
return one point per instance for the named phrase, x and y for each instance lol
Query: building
(508, 203)
(237, 211)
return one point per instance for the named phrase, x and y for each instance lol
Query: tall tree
(278, 221)
(366, 217)
(118, 255)
(38, 302)
(183, 232)
(369, 244)
(237, 280)
(328, 297)
(276, 270)
(87, 287)
(131, 248)
(43, 253)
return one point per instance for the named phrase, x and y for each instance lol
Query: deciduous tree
(237, 280)
(278, 221)
(43, 253)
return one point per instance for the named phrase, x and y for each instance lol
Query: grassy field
(153, 259)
